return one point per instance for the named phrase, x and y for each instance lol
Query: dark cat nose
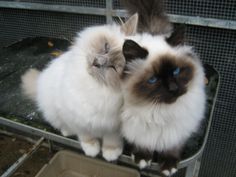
(173, 86)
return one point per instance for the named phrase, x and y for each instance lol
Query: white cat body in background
(79, 92)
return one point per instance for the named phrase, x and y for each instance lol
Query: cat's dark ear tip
(128, 43)
(128, 46)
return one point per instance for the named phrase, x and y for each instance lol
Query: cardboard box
(69, 164)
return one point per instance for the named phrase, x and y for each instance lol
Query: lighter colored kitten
(79, 92)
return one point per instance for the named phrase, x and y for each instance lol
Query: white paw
(91, 148)
(143, 163)
(111, 153)
(166, 172)
(169, 172)
(173, 171)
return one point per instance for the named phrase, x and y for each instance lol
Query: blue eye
(176, 71)
(152, 80)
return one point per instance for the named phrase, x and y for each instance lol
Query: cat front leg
(170, 161)
(89, 144)
(169, 167)
(142, 157)
(112, 146)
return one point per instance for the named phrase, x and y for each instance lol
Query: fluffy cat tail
(152, 16)
(29, 83)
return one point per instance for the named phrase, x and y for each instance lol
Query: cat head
(102, 46)
(159, 70)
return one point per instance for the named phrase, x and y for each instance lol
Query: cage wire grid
(204, 8)
(215, 47)
(48, 24)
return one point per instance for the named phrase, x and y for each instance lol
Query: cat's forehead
(169, 62)
(103, 37)
(102, 41)
(102, 34)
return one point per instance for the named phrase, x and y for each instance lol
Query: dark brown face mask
(164, 81)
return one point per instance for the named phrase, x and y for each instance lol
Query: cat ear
(177, 37)
(130, 26)
(131, 50)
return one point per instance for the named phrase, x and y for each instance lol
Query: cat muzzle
(173, 87)
(99, 62)
(103, 64)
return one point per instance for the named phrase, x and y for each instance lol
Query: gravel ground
(13, 148)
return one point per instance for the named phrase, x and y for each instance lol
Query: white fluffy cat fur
(79, 92)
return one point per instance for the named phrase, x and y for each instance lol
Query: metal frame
(22, 159)
(109, 12)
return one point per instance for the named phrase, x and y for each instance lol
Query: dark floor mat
(14, 61)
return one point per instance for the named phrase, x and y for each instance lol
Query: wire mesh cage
(211, 29)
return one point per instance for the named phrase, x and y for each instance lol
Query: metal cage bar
(109, 12)
(9, 172)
